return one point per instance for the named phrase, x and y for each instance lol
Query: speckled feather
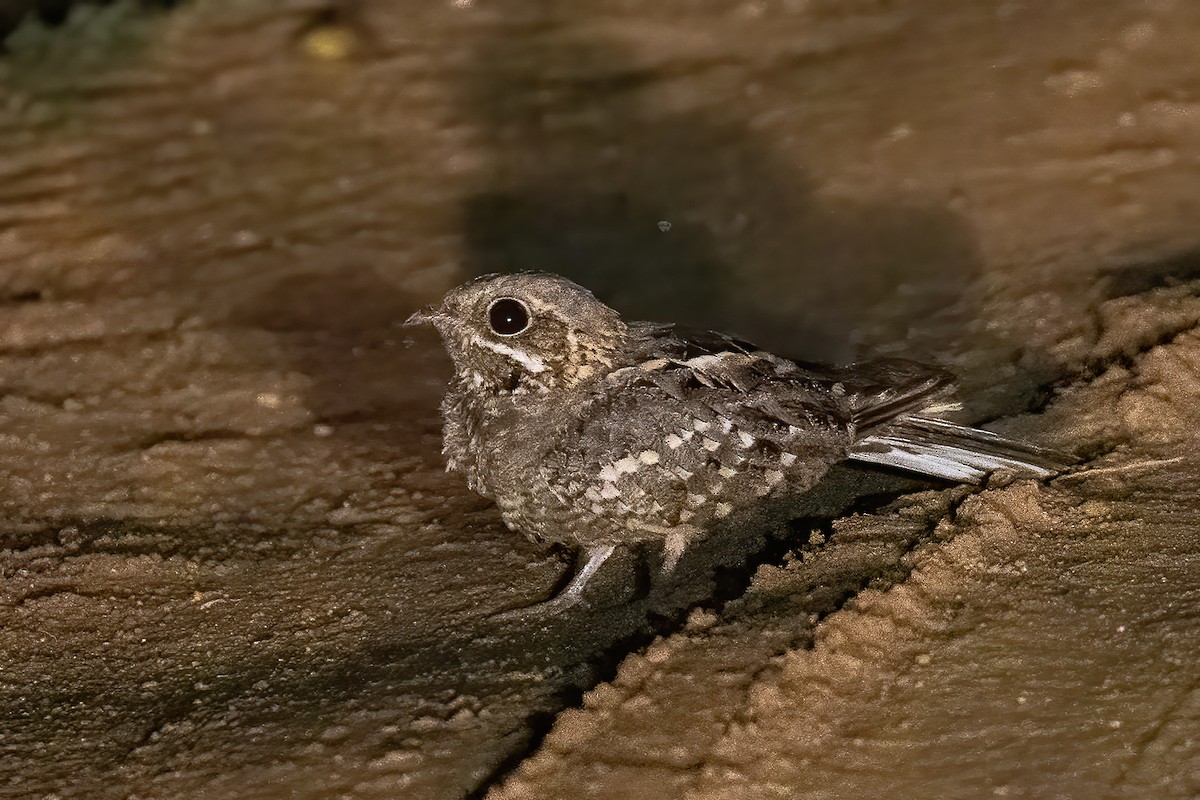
(586, 429)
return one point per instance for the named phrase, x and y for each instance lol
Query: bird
(598, 433)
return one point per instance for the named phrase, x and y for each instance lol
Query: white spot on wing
(701, 425)
(711, 444)
(609, 473)
(727, 472)
(724, 509)
(610, 491)
(773, 477)
(787, 459)
(942, 408)
(674, 441)
(648, 457)
(747, 439)
(705, 361)
(627, 465)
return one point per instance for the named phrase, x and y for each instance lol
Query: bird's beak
(426, 316)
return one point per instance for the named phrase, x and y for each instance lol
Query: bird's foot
(571, 595)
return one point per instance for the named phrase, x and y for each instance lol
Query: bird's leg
(597, 554)
(674, 546)
(571, 594)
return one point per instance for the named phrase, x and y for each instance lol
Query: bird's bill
(427, 316)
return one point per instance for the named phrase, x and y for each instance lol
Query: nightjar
(592, 431)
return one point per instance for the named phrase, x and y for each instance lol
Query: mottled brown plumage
(589, 430)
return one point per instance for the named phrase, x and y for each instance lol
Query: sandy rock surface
(232, 566)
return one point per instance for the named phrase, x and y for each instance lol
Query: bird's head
(526, 331)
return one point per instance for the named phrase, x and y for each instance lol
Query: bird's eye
(508, 316)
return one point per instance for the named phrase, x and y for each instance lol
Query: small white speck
(246, 238)
(322, 430)
(710, 445)
(648, 457)
(773, 477)
(924, 659)
(674, 442)
(1022, 700)
(269, 400)
(787, 459)
(724, 509)
(747, 439)
(696, 499)
(726, 425)
(1116, 723)
(727, 472)
(701, 425)
(627, 465)
(793, 430)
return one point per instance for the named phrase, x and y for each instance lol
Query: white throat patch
(529, 362)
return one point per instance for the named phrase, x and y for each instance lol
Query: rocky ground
(232, 565)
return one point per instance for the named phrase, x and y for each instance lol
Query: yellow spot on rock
(329, 43)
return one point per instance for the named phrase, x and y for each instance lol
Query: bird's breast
(497, 442)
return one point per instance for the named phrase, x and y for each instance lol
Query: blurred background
(231, 563)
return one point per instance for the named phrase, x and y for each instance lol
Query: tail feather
(953, 452)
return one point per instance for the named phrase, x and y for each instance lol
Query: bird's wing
(691, 428)
(864, 396)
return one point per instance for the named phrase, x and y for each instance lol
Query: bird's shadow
(688, 216)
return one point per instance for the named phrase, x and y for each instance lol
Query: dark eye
(508, 316)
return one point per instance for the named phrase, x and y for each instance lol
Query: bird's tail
(953, 452)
